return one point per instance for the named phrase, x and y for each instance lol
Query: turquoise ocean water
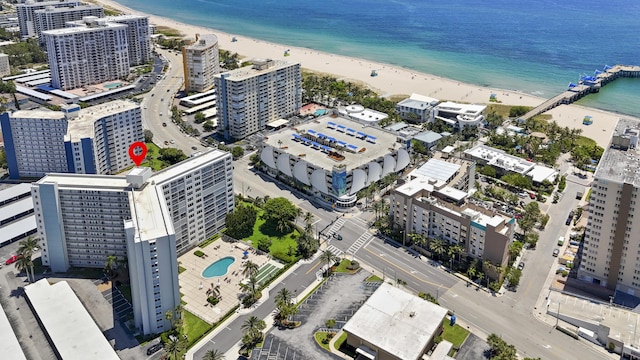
(537, 47)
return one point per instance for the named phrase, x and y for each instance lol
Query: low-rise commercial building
(333, 158)
(394, 325)
(505, 163)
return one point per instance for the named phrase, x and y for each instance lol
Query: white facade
(199, 195)
(201, 62)
(5, 68)
(147, 219)
(251, 97)
(460, 115)
(138, 37)
(610, 256)
(26, 14)
(422, 107)
(94, 140)
(51, 17)
(85, 55)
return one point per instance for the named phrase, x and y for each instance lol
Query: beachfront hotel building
(201, 62)
(434, 209)
(93, 140)
(251, 97)
(91, 52)
(460, 115)
(332, 158)
(51, 17)
(417, 108)
(610, 256)
(147, 219)
(27, 18)
(138, 37)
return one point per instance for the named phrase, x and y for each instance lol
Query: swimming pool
(218, 268)
(112, 85)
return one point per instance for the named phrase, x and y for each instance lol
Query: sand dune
(392, 80)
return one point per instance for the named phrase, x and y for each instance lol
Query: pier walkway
(584, 88)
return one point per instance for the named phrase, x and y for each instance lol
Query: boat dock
(587, 85)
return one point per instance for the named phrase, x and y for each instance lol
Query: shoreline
(391, 79)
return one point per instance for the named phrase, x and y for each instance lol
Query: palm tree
(110, 264)
(169, 316)
(250, 285)
(308, 218)
(298, 211)
(253, 325)
(174, 347)
(456, 250)
(330, 258)
(472, 272)
(284, 296)
(437, 247)
(27, 247)
(213, 291)
(213, 355)
(24, 263)
(249, 268)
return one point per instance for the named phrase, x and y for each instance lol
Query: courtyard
(194, 284)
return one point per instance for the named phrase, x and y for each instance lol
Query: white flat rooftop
(150, 222)
(83, 125)
(70, 327)
(540, 173)
(461, 109)
(84, 181)
(14, 191)
(341, 132)
(397, 322)
(191, 164)
(437, 169)
(9, 343)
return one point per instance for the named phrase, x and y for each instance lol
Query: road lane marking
(313, 267)
(407, 272)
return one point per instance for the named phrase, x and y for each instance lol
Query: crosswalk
(363, 239)
(337, 225)
(335, 250)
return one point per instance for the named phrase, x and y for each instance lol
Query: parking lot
(338, 299)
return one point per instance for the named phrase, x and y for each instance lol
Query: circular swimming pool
(218, 268)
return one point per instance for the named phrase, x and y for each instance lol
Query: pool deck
(194, 286)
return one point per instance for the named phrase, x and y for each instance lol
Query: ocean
(537, 47)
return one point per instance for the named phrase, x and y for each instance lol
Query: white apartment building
(89, 54)
(26, 14)
(5, 68)
(94, 140)
(610, 253)
(199, 195)
(251, 97)
(201, 62)
(138, 37)
(51, 17)
(417, 108)
(147, 219)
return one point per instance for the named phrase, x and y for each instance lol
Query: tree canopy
(279, 213)
(171, 155)
(240, 222)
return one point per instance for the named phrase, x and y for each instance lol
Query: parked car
(337, 236)
(532, 196)
(12, 259)
(569, 218)
(154, 348)
(561, 241)
(556, 252)
(521, 265)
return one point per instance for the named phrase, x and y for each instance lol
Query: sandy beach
(391, 80)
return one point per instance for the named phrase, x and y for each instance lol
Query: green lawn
(455, 334)
(181, 269)
(194, 327)
(374, 278)
(320, 336)
(152, 161)
(342, 267)
(283, 246)
(340, 340)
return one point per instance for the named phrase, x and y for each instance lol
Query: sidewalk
(233, 352)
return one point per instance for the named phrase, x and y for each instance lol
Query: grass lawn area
(181, 269)
(152, 161)
(283, 246)
(320, 336)
(167, 31)
(342, 267)
(455, 334)
(209, 241)
(87, 273)
(340, 340)
(194, 327)
(374, 278)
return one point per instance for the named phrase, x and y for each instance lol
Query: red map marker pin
(142, 153)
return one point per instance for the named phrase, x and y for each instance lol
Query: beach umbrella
(246, 253)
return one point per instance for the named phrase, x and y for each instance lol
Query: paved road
(156, 107)
(299, 280)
